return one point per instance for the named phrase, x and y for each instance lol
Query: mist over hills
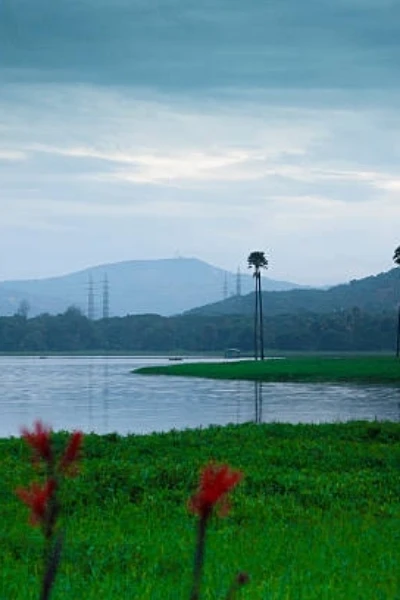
(358, 316)
(165, 287)
(372, 294)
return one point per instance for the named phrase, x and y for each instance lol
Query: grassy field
(368, 369)
(317, 516)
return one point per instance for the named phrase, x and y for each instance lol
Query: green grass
(366, 369)
(317, 516)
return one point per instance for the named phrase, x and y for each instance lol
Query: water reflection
(258, 401)
(238, 396)
(90, 394)
(102, 395)
(105, 395)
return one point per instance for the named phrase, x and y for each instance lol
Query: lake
(101, 394)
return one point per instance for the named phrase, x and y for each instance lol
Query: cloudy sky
(134, 129)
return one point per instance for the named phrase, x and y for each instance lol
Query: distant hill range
(165, 287)
(373, 294)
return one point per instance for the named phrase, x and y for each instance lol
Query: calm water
(100, 394)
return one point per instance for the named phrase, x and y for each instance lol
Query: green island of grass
(316, 516)
(366, 369)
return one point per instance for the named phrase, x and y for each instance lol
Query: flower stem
(199, 556)
(53, 542)
(51, 567)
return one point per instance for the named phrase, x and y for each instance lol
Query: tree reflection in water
(258, 400)
(105, 392)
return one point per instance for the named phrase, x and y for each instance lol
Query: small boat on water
(232, 353)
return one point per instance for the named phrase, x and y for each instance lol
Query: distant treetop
(396, 256)
(257, 260)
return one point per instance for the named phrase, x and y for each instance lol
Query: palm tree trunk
(261, 318)
(256, 323)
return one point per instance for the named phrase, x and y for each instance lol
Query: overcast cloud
(135, 129)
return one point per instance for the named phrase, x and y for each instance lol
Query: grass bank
(316, 516)
(365, 369)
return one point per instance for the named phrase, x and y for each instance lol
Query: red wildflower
(37, 498)
(215, 482)
(39, 440)
(71, 453)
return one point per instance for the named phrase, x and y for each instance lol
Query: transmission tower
(238, 283)
(106, 298)
(90, 299)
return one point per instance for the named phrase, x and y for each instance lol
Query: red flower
(37, 498)
(215, 482)
(71, 453)
(39, 440)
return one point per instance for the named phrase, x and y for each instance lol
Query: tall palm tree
(396, 260)
(257, 261)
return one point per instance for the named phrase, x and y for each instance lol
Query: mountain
(376, 293)
(165, 287)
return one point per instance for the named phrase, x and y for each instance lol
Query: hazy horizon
(266, 273)
(146, 129)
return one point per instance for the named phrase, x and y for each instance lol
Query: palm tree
(257, 261)
(396, 260)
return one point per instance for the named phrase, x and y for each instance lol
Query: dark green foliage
(396, 256)
(257, 260)
(352, 330)
(374, 294)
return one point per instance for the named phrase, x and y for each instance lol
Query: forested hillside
(352, 330)
(372, 294)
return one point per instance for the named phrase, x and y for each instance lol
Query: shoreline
(357, 369)
(357, 428)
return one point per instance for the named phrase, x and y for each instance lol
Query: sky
(144, 129)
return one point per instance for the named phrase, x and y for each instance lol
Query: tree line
(349, 330)
(258, 261)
